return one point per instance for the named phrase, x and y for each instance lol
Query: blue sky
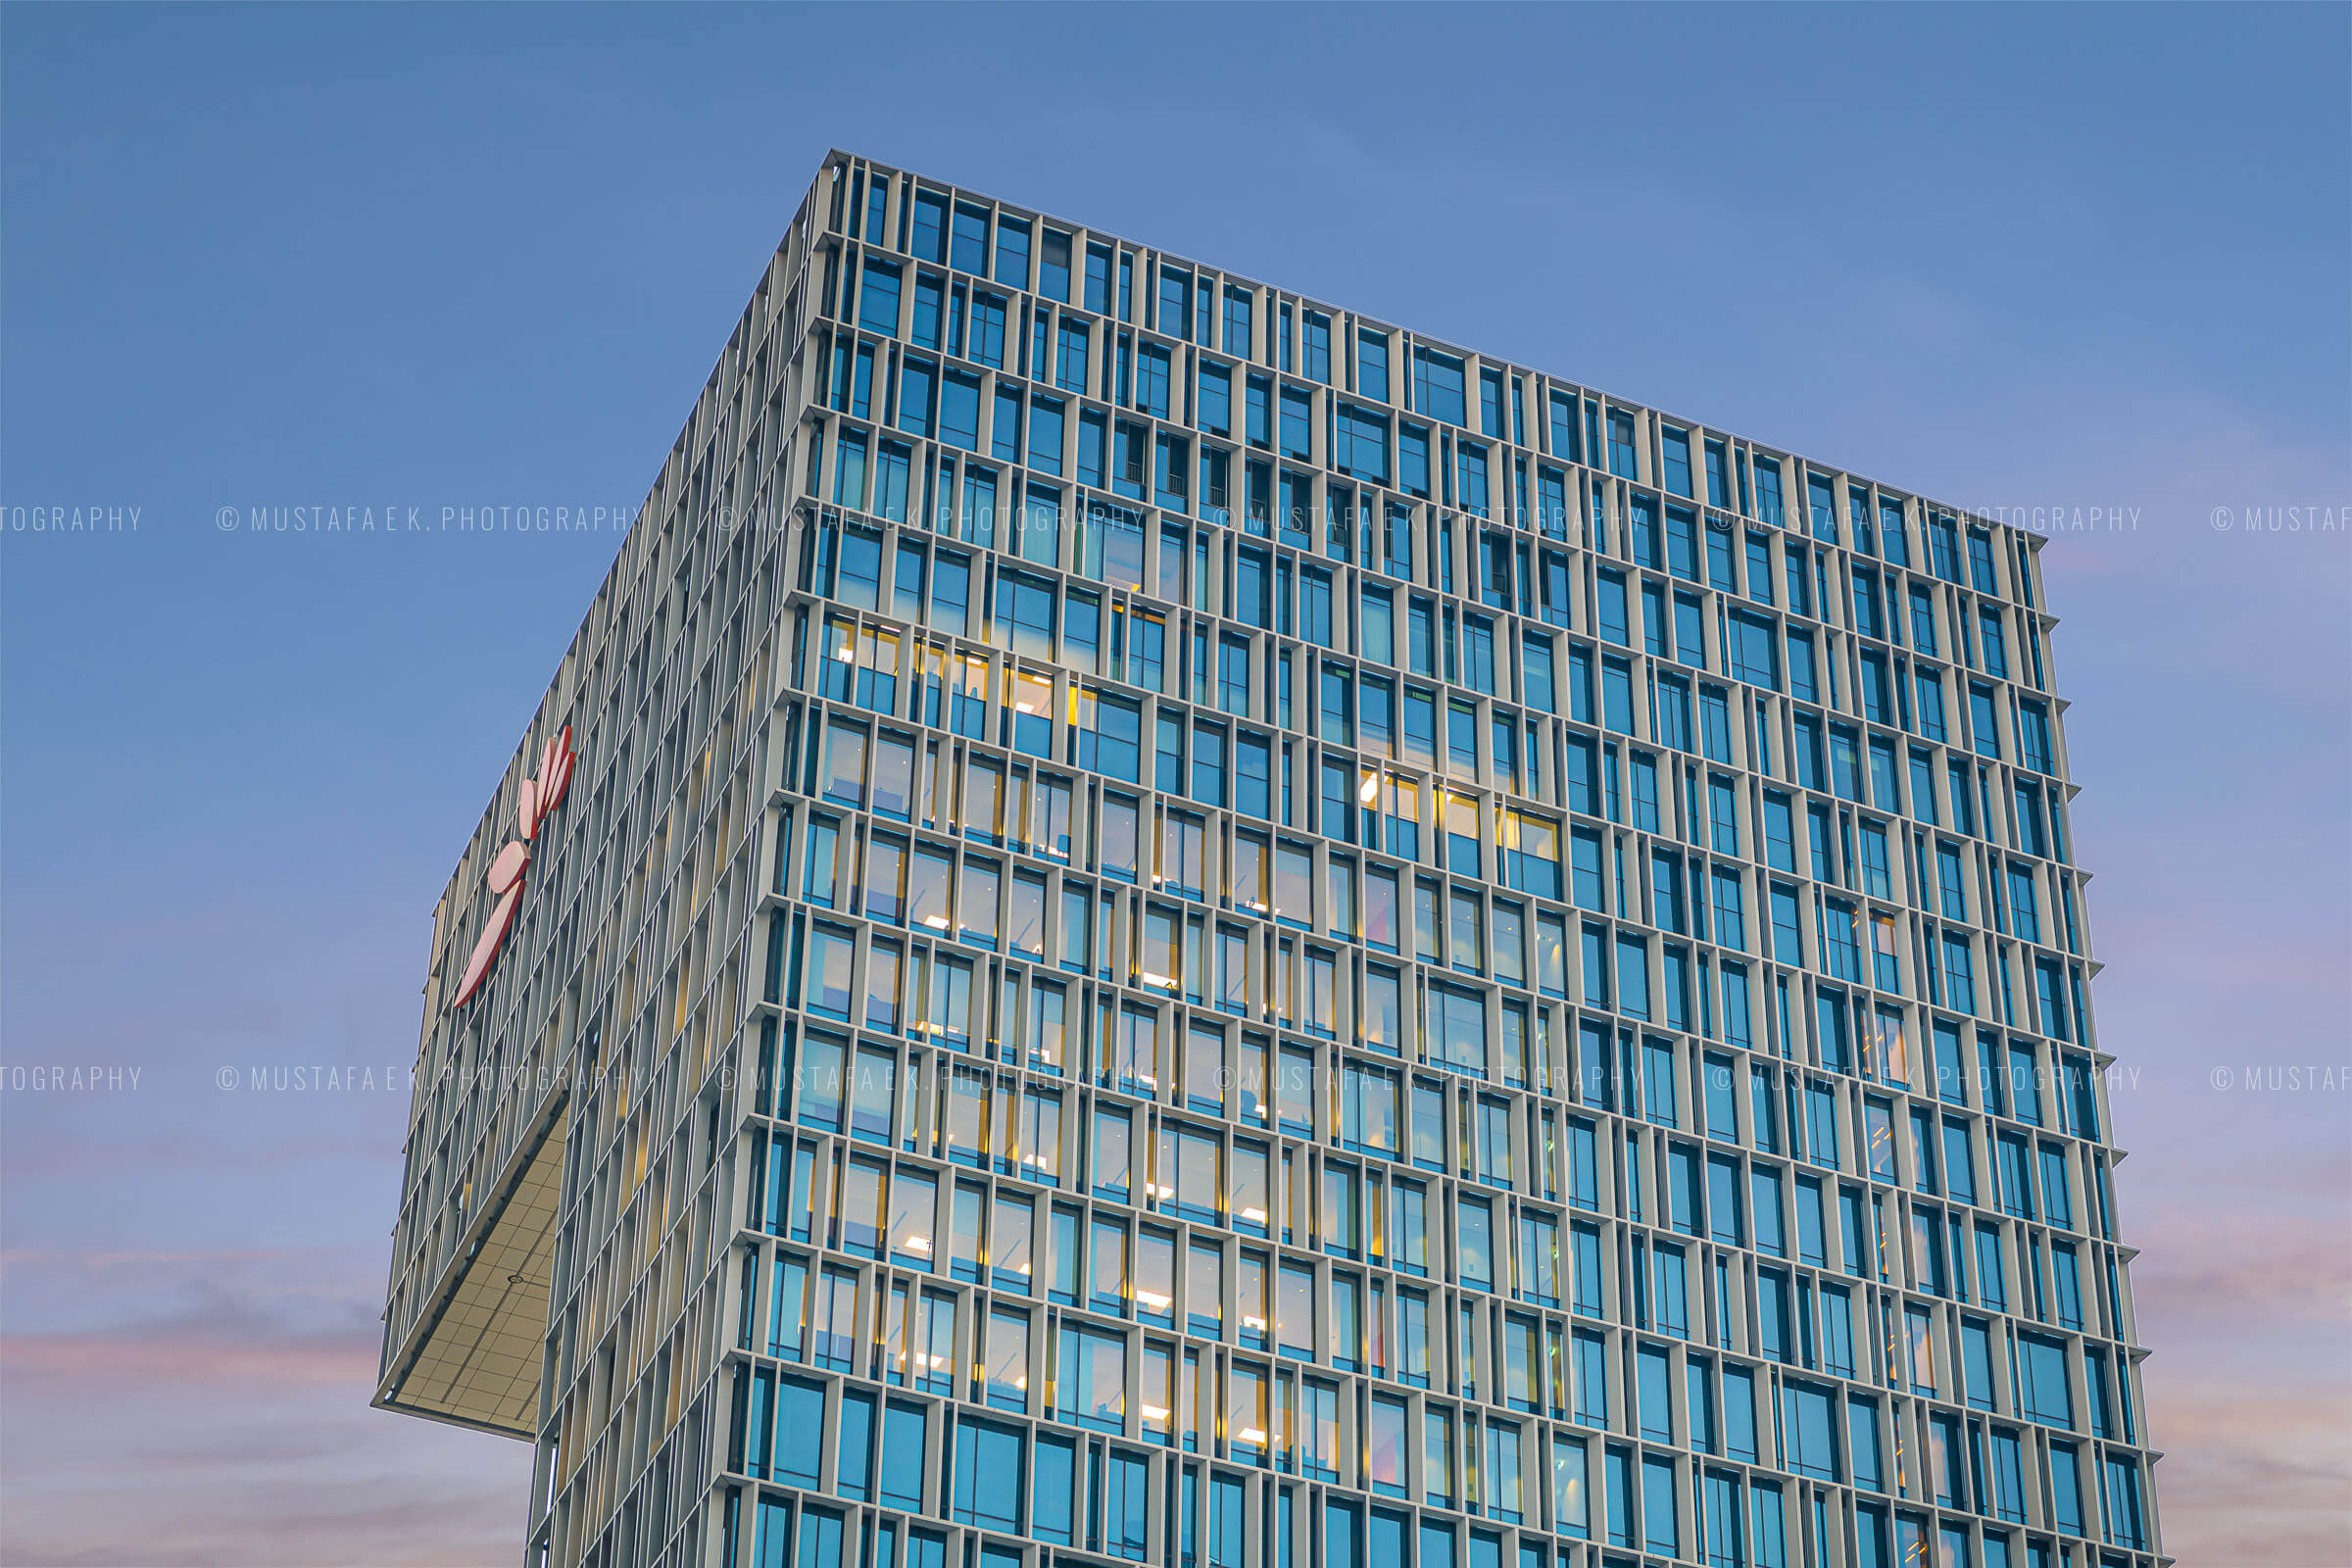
(2059, 256)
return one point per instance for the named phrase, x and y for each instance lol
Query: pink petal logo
(540, 796)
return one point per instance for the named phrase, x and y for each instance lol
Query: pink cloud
(2252, 1481)
(236, 1391)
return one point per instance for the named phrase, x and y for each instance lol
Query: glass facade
(1207, 932)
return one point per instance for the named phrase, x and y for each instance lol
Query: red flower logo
(540, 796)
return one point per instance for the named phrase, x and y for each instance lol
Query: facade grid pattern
(1265, 941)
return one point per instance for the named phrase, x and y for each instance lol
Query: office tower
(1154, 921)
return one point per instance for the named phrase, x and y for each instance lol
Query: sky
(2041, 261)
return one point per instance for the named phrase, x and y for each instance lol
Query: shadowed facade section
(473, 1358)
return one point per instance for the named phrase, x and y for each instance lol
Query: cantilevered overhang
(473, 1356)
